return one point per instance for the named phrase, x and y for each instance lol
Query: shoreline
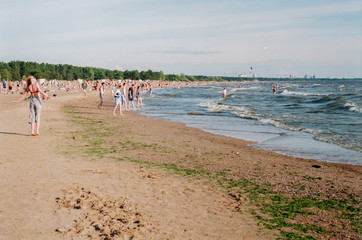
(259, 144)
(244, 172)
(98, 150)
(301, 144)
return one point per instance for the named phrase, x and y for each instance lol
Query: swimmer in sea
(274, 90)
(224, 93)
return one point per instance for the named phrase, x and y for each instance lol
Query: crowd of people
(126, 94)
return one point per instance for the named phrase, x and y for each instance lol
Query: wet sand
(91, 175)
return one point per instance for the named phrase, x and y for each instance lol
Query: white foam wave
(244, 112)
(353, 107)
(291, 93)
(313, 131)
(216, 106)
(354, 146)
(244, 89)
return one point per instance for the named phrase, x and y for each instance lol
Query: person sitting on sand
(34, 89)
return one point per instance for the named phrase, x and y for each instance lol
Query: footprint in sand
(99, 217)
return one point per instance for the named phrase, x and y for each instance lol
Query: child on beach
(34, 89)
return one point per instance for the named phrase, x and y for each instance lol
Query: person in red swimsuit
(34, 89)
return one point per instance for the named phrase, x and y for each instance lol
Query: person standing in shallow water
(35, 91)
(224, 93)
(131, 96)
(274, 90)
(139, 99)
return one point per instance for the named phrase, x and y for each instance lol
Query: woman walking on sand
(101, 96)
(34, 89)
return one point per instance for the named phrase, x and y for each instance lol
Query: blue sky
(276, 38)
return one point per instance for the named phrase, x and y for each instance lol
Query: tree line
(16, 70)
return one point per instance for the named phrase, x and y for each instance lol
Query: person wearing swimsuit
(139, 99)
(33, 88)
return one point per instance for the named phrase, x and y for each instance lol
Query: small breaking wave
(353, 107)
(291, 93)
(244, 89)
(340, 141)
(217, 106)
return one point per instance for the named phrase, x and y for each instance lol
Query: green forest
(16, 70)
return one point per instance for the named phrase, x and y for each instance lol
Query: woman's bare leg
(114, 109)
(32, 128)
(37, 128)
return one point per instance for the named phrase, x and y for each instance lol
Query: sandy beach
(91, 175)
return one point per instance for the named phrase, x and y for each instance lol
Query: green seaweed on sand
(276, 210)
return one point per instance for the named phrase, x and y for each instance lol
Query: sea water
(315, 119)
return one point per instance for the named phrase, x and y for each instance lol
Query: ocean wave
(353, 107)
(314, 131)
(243, 89)
(279, 124)
(357, 146)
(217, 106)
(291, 93)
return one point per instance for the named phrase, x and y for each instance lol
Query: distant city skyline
(199, 37)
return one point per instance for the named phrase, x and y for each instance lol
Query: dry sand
(70, 182)
(45, 194)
